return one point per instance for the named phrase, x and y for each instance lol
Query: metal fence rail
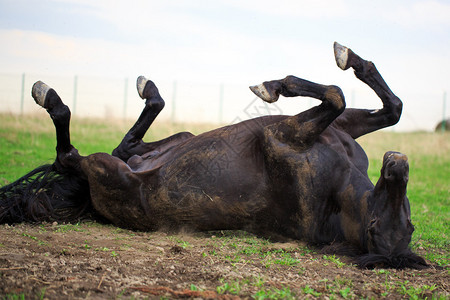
(89, 96)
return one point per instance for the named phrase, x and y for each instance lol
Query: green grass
(40, 295)
(234, 287)
(29, 141)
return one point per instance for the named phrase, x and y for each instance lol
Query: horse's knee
(156, 104)
(395, 108)
(61, 114)
(335, 97)
(292, 85)
(290, 80)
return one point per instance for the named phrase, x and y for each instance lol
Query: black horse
(302, 177)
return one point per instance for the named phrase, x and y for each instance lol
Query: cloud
(39, 52)
(420, 13)
(289, 8)
(140, 19)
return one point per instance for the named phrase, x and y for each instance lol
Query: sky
(233, 44)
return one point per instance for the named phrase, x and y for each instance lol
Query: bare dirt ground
(95, 261)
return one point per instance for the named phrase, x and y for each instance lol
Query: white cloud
(420, 14)
(289, 8)
(137, 17)
(30, 51)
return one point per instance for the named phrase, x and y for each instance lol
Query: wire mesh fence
(194, 102)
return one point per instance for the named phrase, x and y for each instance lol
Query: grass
(21, 296)
(333, 259)
(234, 287)
(246, 246)
(29, 141)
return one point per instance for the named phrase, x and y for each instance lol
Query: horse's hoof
(261, 91)
(39, 92)
(341, 56)
(140, 84)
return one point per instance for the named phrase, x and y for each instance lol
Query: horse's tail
(45, 194)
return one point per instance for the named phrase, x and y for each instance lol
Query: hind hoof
(341, 56)
(262, 92)
(39, 92)
(140, 85)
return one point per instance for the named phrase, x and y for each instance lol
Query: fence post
(444, 100)
(125, 99)
(22, 96)
(75, 88)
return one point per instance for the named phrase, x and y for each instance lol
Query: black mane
(405, 259)
(45, 194)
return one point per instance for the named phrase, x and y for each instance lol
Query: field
(100, 261)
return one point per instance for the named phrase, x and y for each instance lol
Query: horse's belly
(212, 192)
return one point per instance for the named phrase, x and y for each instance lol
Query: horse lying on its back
(302, 176)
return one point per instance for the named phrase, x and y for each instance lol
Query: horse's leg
(90, 179)
(132, 142)
(67, 155)
(358, 122)
(62, 192)
(302, 129)
(285, 142)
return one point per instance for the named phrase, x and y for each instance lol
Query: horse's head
(389, 227)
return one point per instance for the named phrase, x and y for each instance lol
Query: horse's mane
(45, 194)
(401, 260)
(405, 259)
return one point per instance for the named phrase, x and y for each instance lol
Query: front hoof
(140, 84)
(39, 92)
(262, 92)
(341, 56)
